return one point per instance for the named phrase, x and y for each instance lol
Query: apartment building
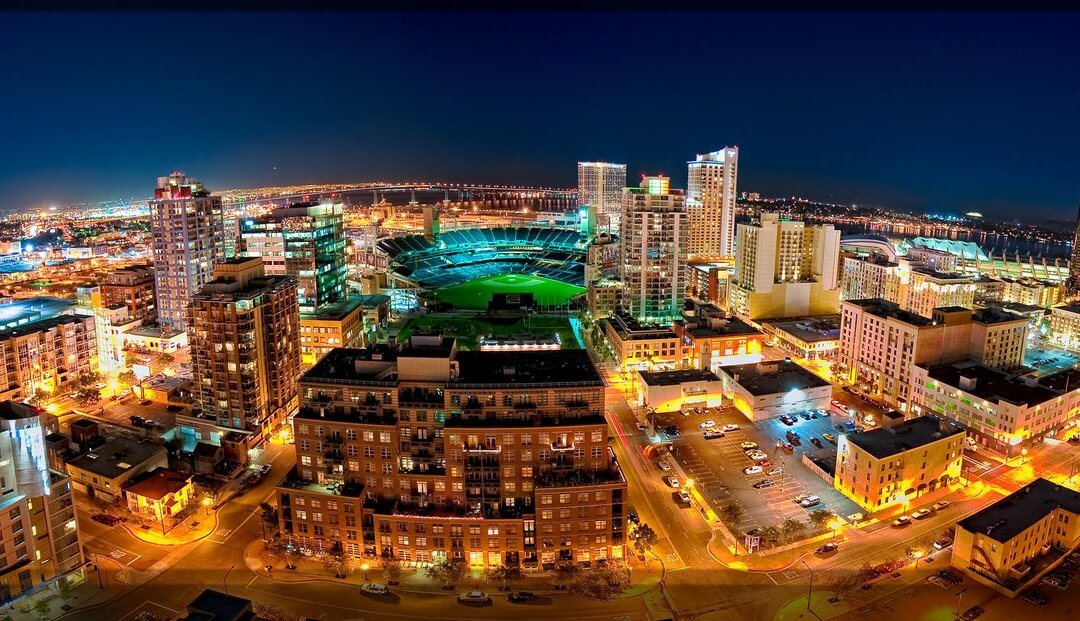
(245, 354)
(600, 186)
(1010, 544)
(1032, 291)
(1003, 412)
(784, 268)
(899, 462)
(133, 288)
(46, 355)
(880, 344)
(711, 184)
(103, 471)
(645, 347)
(1065, 326)
(708, 281)
(424, 453)
(39, 536)
(653, 242)
(873, 276)
(929, 289)
(602, 298)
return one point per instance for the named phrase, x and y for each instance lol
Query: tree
(165, 359)
(731, 514)
(292, 556)
(127, 377)
(646, 539)
(88, 378)
(173, 446)
(391, 570)
(269, 513)
(793, 528)
(512, 575)
(447, 572)
(41, 607)
(63, 589)
(37, 397)
(769, 535)
(87, 395)
(820, 519)
(565, 572)
(604, 581)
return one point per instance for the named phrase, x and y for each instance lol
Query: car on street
(816, 442)
(672, 482)
(712, 434)
(672, 431)
(683, 496)
(972, 613)
(794, 440)
(520, 597)
(137, 421)
(811, 501)
(642, 427)
(757, 455)
(938, 506)
(1034, 598)
(788, 448)
(663, 465)
(774, 470)
(106, 519)
(752, 470)
(748, 446)
(1056, 581)
(829, 437)
(730, 427)
(901, 521)
(474, 597)
(708, 424)
(762, 484)
(920, 514)
(374, 588)
(942, 542)
(827, 549)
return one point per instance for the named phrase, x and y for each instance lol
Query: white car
(672, 482)
(713, 433)
(684, 496)
(666, 467)
(752, 470)
(747, 446)
(731, 427)
(811, 501)
(920, 514)
(709, 424)
(374, 588)
(757, 455)
(474, 597)
(775, 470)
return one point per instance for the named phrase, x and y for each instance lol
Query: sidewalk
(196, 526)
(86, 592)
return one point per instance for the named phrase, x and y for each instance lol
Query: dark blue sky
(936, 111)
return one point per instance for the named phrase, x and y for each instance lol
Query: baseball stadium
(466, 267)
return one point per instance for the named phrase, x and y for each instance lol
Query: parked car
(828, 548)
(672, 482)
(801, 497)
(138, 421)
(663, 465)
(788, 448)
(711, 434)
(757, 455)
(752, 470)
(748, 445)
(474, 597)
(106, 519)
(920, 514)
(816, 442)
(642, 426)
(683, 496)
(374, 588)
(765, 463)
(821, 413)
(774, 470)
(672, 431)
(942, 542)
(972, 613)
(807, 415)
(901, 521)
(1035, 598)
(762, 484)
(938, 506)
(812, 501)
(950, 576)
(731, 427)
(829, 437)
(708, 424)
(1055, 581)
(520, 597)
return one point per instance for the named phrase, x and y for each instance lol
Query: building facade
(892, 466)
(132, 287)
(245, 351)
(654, 239)
(600, 185)
(1065, 326)
(187, 228)
(645, 347)
(929, 289)
(710, 339)
(1072, 283)
(710, 202)
(46, 355)
(784, 268)
(771, 388)
(425, 453)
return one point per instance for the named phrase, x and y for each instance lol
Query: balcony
(562, 447)
(481, 449)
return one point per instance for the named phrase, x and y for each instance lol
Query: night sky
(937, 111)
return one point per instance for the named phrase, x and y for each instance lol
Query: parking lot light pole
(810, 591)
(959, 598)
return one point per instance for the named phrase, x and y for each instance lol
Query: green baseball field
(476, 294)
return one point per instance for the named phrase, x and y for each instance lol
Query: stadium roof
(964, 249)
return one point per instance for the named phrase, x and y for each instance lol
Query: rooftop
(157, 483)
(809, 329)
(993, 385)
(567, 366)
(937, 275)
(888, 441)
(375, 363)
(1018, 511)
(1068, 308)
(42, 325)
(629, 329)
(211, 605)
(715, 327)
(422, 345)
(766, 378)
(673, 378)
(335, 311)
(12, 410)
(116, 457)
(990, 315)
(886, 309)
(293, 481)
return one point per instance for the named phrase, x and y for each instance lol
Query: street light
(834, 525)
(917, 554)
(206, 502)
(225, 580)
(809, 591)
(365, 567)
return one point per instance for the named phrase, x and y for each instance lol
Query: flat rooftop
(1018, 511)
(674, 378)
(372, 300)
(422, 345)
(1068, 308)
(888, 441)
(211, 605)
(993, 385)
(116, 457)
(728, 326)
(158, 483)
(767, 378)
(566, 366)
(42, 325)
(991, 315)
(335, 311)
(938, 275)
(809, 329)
(376, 363)
(886, 309)
(630, 329)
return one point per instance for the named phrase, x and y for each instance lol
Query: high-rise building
(784, 268)
(132, 287)
(39, 536)
(46, 355)
(600, 184)
(1072, 284)
(710, 202)
(423, 453)
(653, 245)
(307, 241)
(188, 238)
(245, 352)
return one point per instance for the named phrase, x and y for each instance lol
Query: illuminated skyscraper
(600, 184)
(654, 237)
(189, 237)
(1072, 285)
(710, 202)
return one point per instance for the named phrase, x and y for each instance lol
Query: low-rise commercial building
(159, 493)
(710, 339)
(895, 464)
(642, 347)
(668, 391)
(1013, 542)
(769, 389)
(810, 338)
(1001, 411)
(103, 471)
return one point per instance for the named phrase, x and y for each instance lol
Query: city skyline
(919, 118)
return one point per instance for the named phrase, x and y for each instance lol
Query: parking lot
(716, 466)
